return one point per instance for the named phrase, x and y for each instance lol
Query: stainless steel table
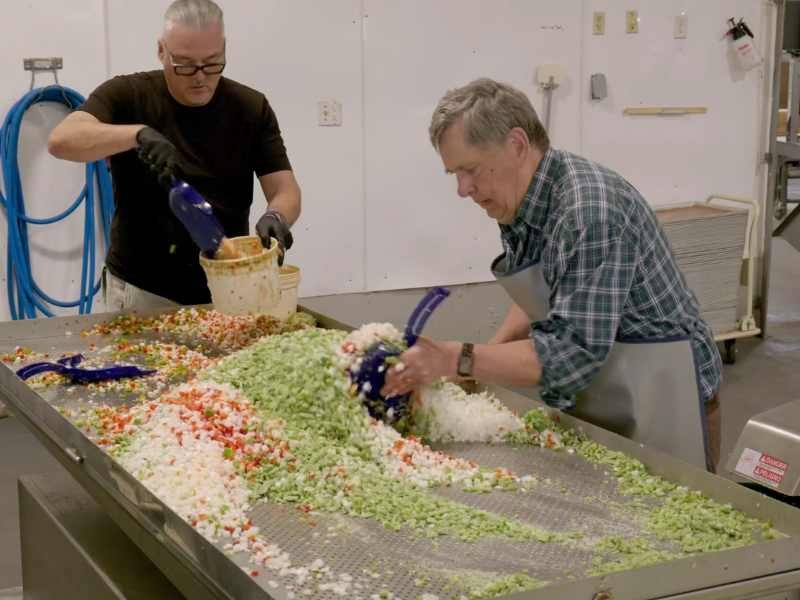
(200, 569)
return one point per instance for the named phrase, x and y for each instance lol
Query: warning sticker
(761, 467)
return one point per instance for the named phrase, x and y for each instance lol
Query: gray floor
(765, 375)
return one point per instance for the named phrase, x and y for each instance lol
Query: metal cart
(746, 325)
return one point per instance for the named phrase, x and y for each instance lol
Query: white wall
(378, 210)
(48, 28)
(419, 232)
(676, 159)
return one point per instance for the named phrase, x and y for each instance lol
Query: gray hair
(197, 14)
(489, 110)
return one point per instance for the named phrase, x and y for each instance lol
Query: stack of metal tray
(708, 243)
(578, 496)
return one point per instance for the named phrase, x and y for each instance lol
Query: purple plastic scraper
(68, 366)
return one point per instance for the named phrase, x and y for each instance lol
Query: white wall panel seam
(364, 207)
(106, 39)
(584, 31)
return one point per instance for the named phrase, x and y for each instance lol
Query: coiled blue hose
(25, 297)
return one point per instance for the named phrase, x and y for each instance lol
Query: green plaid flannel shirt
(611, 273)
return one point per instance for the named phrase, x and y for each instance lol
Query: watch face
(466, 366)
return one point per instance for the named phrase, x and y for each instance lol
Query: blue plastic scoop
(198, 217)
(371, 374)
(68, 366)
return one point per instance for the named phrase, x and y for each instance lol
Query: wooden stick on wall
(664, 110)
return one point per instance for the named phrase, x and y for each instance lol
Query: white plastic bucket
(247, 285)
(290, 280)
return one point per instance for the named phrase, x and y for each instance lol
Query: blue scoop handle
(196, 215)
(66, 366)
(423, 311)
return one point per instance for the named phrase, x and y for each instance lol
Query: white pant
(121, 295)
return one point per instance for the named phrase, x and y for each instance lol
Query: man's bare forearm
(288, 204)
(282, 193)
(82, 138)
(513, 363)
(510, 363)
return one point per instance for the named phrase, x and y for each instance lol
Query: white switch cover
(329, 113)
(599, 23)
(632, 21)
(681, 26)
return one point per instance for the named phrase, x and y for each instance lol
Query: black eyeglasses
(189, 70)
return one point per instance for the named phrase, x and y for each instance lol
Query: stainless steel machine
(390, 564)
(767, 453)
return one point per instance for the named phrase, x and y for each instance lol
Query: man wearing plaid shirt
(603, 321)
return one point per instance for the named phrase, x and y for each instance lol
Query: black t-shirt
(221, 145)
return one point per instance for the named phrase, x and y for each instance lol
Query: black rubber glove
(158, 153)
(273, 224)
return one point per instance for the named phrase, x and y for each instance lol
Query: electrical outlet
(632, 21)
(599, 23)
(681, 26)
(329, 113)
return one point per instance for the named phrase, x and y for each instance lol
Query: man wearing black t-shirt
(186, 121)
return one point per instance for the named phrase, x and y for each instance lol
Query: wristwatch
(465, 360)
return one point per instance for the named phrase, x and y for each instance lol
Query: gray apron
(646, 390)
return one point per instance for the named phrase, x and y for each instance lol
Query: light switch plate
(632, 21)
(681, 26)
(599, 23)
